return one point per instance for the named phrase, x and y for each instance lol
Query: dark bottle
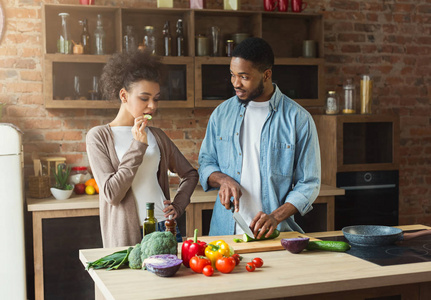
(150, 221)
(85, 37)
(167, 40)
(180, 38)
(171, 225)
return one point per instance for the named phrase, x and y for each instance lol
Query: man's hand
(228, 188)
(263, 222)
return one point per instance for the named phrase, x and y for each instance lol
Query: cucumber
(328, 246)
(274, 234)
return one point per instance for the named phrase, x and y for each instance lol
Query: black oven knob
(368, 177)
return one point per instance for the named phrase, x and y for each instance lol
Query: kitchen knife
(238, 218)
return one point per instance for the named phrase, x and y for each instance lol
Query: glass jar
(79, 175)
(349, 101)
(64, 42)
(149, 39)
(229, 47)
(366, 94)
(202, 45)
(332, 106)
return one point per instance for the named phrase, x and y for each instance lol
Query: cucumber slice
(328, 246)
(274, 235)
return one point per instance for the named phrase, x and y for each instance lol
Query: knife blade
(242, 224)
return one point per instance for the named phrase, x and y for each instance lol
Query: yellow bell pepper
(217, 249)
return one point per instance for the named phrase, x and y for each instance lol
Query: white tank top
(145, 186)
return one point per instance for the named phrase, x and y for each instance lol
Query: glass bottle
(180, 38)
(167, 40)
(349, 97)
(129, 40)
(150, 221)
(332, 103)
(149, 39)
(85, 36)
(99, 37)
(64, 42)
(171, 225)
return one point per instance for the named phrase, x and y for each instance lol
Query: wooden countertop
(283, 275)
(92, 201)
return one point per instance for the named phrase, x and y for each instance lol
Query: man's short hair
(256, 50)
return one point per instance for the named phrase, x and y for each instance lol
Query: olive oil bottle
(150, 221)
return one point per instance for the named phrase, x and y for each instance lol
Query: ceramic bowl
(61, 194)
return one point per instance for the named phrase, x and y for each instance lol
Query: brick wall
(391, 40)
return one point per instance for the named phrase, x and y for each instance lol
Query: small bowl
(61, 194)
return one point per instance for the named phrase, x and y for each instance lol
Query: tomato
(250, 267)
(258, 262)
(197, 263)
(208, 270)
(237, 258)
(225, 264)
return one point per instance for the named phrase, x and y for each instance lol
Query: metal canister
(202, 45)
(229, 47)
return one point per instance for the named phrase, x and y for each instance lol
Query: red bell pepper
(191, 248)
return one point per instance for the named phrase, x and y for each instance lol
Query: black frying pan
(375, 235)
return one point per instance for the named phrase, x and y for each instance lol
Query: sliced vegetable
(225, 264)
(295, 245)
(198, 263)
(164, 265)
(328, 246)
(112, 261)
(250, 267)
(238, 240)
(258, 262)
(191, 248)
(208, 270)
(273, 235)
(148, 117)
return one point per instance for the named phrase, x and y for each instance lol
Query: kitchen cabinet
(355, 143)
(189, 81)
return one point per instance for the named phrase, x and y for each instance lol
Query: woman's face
(142, 98)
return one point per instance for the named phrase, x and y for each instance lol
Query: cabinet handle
(368, 187)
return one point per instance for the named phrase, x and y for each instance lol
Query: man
(260, 150)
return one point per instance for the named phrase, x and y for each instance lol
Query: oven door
(371, 198)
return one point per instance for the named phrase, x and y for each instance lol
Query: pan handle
(412, 235)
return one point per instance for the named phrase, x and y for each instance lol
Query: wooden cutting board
(259, 246)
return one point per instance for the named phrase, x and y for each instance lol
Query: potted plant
(62, 190)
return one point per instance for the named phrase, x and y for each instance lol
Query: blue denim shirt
(289, 158)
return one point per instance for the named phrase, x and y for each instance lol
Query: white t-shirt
(250, 202)
(145, 186)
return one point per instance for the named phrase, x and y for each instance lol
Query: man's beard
(254, 94)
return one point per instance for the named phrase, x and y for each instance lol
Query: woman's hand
(138, 130)
(169, 210)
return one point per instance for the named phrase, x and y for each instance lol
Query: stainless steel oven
(371, 198)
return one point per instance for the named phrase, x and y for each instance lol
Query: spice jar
(332, 103)
(366, 92)
(349, 103)
(171, 225)
(202, 45)
(229, 47)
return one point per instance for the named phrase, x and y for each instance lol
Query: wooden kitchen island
(308, 275)
(86, 205)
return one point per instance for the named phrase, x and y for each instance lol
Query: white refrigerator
(12, 246)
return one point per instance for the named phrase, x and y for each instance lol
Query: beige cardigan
(119, 218)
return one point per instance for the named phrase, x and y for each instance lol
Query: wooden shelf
(284, 31)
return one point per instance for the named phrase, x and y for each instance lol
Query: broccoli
(158, 242)
(135, 261)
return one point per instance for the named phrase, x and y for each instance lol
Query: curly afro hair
(256, 50)
(124, 69)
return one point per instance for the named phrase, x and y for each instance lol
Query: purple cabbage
(164, 265)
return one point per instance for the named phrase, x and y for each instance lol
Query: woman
(129, 159)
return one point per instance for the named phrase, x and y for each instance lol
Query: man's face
(246, 80)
